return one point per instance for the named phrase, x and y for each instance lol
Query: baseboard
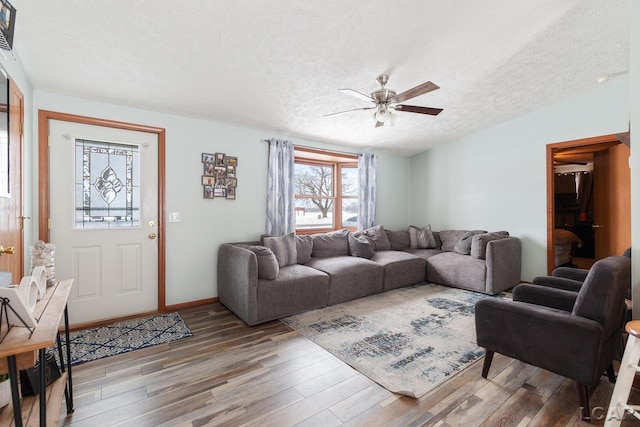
(190, 304)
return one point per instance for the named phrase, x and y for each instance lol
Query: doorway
(588, 200)
(109, 227)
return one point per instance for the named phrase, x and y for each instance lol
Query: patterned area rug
(408, 340)
(121, 337)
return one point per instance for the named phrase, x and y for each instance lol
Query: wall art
(219, 176)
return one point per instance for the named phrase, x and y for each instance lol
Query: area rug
(121, 337)
(408, 340)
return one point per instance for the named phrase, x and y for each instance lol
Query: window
(326, 187)
(106, 185)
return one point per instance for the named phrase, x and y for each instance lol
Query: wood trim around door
(551, 151)
(43, 180)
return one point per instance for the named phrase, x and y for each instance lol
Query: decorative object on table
(219, 178)
(408, 340)
(14, 309)
(30, 378)
(122, 337)
(43, 254)
(28, 291)
(40, 276)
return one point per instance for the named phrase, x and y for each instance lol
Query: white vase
(5, 393)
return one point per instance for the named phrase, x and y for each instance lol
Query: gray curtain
(367, 165)
(280, 189)
(565, 183)
(585, 196)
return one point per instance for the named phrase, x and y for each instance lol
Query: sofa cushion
(297, 288)
(479, 243)
(359, 246)
(377, 237)
(304, 247)
(268, 267)
(284, 247)
(399, 240)
(400, 268)
(460, 271)
(334, 243)
(421, 238)
(463, 246)
(349, 277)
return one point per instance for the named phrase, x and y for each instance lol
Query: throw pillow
(333, 243)
(267, 263)
(479, 243)
(399, 240)
(463, 246)
(449, 238)
(284, 247)
(359, 246)
(377, 237)
(304, 247)
(422, 238)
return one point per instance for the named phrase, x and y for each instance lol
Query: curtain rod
(326, 150)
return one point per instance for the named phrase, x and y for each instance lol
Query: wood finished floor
(269, 375)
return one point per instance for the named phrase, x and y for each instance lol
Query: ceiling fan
(386, 100)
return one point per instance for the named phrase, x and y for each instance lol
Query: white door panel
(111, 252)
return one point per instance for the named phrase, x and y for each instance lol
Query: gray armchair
(573, 334)
(571, 279)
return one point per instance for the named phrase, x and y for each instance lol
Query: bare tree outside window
(316, 181)
(326, 190)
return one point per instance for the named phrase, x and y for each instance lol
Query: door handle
(595, 226)
(152, 236)
(8, 251)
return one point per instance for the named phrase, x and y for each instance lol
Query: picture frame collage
(219, 179)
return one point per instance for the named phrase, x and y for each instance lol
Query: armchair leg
(583, 398)
(611, 374)
(488, 358)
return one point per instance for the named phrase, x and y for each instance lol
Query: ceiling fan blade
(420, 110)
(378, 124)
(416, 91)
(348, 111)
(357, 94)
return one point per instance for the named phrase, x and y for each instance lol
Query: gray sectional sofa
(284, 275)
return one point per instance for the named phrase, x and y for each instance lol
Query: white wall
(193, 243)
(496, 179)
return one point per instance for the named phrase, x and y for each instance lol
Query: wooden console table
(18, 351)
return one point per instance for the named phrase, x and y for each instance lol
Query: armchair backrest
(601, 297)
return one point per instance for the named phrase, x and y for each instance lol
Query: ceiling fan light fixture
(383, 114)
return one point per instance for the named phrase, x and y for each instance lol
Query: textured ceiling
(277, 65)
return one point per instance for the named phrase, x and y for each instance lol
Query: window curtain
(280, 189)
(367, 165)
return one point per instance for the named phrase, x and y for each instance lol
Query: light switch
(174, 216)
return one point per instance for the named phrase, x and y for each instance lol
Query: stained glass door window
(107, 185)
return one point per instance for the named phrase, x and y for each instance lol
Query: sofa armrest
(570, 273)
(504, 263)
(238, 281)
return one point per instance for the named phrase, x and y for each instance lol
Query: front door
(103, 206)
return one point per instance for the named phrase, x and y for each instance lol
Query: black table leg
(42, 360)
(69, 378)
(15, 393)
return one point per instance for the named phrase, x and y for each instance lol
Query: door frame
(43, 180)
(552, 149)
(15, 219)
